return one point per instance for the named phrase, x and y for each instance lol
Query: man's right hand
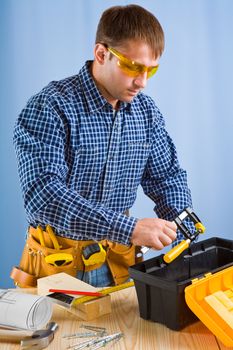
(154, 233)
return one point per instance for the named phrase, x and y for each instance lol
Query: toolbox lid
(211, 299)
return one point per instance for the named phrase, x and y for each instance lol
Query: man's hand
(154, 233)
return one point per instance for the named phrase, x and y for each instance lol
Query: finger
(170, 233)
(165, 240)
(157, 244)
(172, 225)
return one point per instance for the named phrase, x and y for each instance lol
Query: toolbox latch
(196, 280)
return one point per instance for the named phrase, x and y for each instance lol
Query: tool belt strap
(22, 278)
(33, 265)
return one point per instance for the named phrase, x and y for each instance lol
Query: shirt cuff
(122, 228)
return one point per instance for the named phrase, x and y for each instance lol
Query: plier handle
(51, 234)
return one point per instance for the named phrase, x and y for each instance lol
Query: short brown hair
(121, 23)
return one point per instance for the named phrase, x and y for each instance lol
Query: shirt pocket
(86, 168)
(137, 156)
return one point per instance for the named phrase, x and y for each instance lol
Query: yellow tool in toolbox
(56, 259)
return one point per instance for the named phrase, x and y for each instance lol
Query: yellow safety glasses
(132, 68)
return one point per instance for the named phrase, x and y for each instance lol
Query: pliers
(56, 259)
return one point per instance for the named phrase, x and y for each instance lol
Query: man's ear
(100, 53)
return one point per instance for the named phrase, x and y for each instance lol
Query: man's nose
(141, 80)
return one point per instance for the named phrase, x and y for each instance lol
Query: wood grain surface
(139, 334)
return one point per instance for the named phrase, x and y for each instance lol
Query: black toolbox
(160, 287)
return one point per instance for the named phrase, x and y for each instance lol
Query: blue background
(44, 40)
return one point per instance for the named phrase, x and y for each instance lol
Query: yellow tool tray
(211, 299)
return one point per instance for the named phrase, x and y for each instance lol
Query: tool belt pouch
(33, 265)
(119, 258)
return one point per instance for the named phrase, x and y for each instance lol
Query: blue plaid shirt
(80, 161)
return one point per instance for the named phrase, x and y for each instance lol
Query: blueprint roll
(23, 310)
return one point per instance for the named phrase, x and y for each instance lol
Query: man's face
(116, 84)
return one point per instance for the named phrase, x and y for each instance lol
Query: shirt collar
(93, 96)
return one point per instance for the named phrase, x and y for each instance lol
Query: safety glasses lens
(128, 68)
(152, 71)
(134, 70)
(131, 68)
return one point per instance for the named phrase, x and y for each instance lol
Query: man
(85, 144)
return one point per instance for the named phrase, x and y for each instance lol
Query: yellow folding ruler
(103, 292)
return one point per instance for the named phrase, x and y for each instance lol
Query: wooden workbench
(138, 333)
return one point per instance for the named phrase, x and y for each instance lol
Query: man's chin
(128, 98)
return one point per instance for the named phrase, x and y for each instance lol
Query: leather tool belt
(33, 265)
